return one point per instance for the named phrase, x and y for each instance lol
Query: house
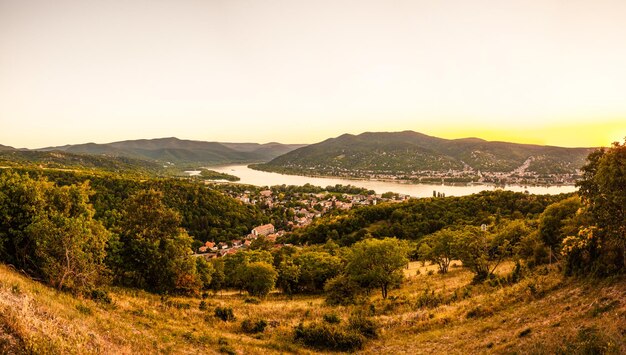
(271, 237)
(266, 193)
(237, 243)
(263, 230)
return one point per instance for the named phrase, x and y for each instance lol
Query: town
(289, 208)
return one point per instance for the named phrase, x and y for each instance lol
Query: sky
(530, 71)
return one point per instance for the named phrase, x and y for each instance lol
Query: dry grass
(538, 314)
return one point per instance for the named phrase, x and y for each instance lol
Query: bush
(252, 327)
(100, 296)
(252, 300)
(332, 318)
(224, 313)
(203, 305)
(363, 325)
(342, 290)
(479, 312)
(328, 337)
(429, 299)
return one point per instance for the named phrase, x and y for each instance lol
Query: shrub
(325, 336)
(429, 299)
(224, 313)
(252, 300)
(341, 290)
(332, 318)
(252, 327)
(203, 305)
(363, 325)
(479, 312)
(101, 296)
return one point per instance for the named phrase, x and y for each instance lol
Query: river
(262, 178)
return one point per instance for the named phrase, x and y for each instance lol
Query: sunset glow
(546, 72)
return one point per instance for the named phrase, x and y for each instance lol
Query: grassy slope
(540, 314)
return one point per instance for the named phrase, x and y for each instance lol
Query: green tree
(22, 199)
(69, 243)
(438, 248)
(288, 276)
(554, 219)
(603, 194)
(50, 232)
(315, 269)
(378, 263)
(259, 278)
(205, 272)
(156, 250)
(218, 278)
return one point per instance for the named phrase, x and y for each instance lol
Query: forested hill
(65, 160)
(404, 152)
(417, 218)
(179, 151)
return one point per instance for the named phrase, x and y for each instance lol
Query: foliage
(554, 219)
(603, 194)
(252, 327)
(155, 253)
(50, 231)
(214, 175)
(325, 336)
(224, 313)
(259, 278)
(438, 248)
(378, 263)
(342, 290)
(205, 272)
(483, 251)
(417, 218)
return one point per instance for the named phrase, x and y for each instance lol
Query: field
(431, 313)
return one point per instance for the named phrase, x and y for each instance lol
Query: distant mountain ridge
(180, 151)
(408, 152)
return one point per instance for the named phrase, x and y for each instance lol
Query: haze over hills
(408, 152)
(180, 151)
(5, 148)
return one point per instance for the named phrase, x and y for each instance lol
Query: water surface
(262, 178)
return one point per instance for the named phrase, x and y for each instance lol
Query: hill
(66, 160)
(540, 314)
(5, 148)
(182, 152)
(410, 154)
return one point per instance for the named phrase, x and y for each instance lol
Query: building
(263, 230)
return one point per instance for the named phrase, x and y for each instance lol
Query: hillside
(540, 314)
(406, 154)
(182, 152)
(66, 160)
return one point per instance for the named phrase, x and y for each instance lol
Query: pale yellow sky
(545, 71)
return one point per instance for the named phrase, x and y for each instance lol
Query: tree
(259, 278)
(205, 272)
(378, 263)
(342, 290)
(288, 276)
(22, 199)
(553, 220)
(483, 251)
(50, 232)
(603, 194)
(156, 250)
(315, 269)
(438, 248)
(69, 243)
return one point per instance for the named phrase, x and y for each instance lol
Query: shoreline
(409, 182)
